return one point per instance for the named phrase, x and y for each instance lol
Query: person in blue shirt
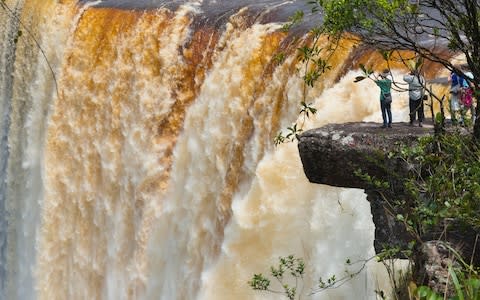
(456, 85)
(384, 82)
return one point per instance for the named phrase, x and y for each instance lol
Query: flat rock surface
(371, 127)
(330, 154)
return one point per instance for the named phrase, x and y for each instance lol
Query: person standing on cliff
(384, 82)
(467, 92)
(456, 84)
(416, 90)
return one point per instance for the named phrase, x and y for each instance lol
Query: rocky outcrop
(335, 155)
(332, 154)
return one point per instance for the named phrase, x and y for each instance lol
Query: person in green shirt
(385, 84)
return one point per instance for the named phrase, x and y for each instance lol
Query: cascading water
(145, 169)
(9, 29)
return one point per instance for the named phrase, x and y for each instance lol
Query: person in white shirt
(416, 91)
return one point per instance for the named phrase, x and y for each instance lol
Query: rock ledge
(332, 153)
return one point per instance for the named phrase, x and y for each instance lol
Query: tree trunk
(476, 125)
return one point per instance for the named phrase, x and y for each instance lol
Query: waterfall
(145, 168)
(9, 29)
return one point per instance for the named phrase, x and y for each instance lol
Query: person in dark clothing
(416, 91)
(385, 85)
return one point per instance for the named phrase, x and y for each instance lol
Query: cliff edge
(331, 154)
(334, 153)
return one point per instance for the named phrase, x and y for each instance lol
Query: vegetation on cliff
(433, 30)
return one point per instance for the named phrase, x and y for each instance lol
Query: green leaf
(359, 78)
(423, 291)
(434, 296)
(419, 63)
(259, 282)
(386, 55)
(456, 283)
(362, 66)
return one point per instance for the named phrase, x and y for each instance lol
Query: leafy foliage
(441, 187)
(291, 269)
(315, 63)
(296, 18)
(443, 181)
(466, 283)
(408, 25)
(288, 267)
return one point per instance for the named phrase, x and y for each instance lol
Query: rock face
(438, 257)
(333, 154)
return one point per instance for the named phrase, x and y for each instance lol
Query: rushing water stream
(145, 169)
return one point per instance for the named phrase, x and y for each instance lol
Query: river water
(137, 156)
